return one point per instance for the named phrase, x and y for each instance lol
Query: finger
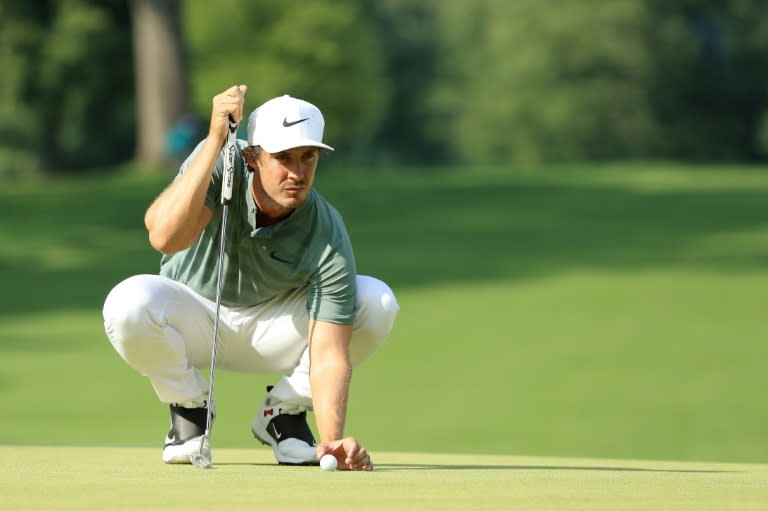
(224, 106)
(357, 454)
(362, 460)
(359, 458)
(352, 451)
(231, 101)
(364, 464)
(335, 448)
(242, 89)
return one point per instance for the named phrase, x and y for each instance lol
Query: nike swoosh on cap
(287, 124)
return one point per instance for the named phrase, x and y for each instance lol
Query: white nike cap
(284, 123)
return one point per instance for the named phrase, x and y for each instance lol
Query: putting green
(63, 478)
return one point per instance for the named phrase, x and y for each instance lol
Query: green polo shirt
(309, 249)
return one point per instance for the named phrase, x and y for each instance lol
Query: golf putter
(203, 458)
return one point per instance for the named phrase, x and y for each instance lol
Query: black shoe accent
(186, 423)
(281, 425)
(290, 426)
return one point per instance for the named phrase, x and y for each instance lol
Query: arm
(330, 372)
(177, 217)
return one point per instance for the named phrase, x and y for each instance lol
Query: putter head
(202, 458)
(200, 461)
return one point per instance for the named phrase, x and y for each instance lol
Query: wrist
(213, 143)
(216, 138)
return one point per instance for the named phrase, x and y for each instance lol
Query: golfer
(291, 300)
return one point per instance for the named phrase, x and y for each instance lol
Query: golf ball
(328, 462)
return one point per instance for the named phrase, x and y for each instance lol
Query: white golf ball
(328, 462)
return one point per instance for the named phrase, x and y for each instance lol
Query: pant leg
(377, 309)
(163, 330)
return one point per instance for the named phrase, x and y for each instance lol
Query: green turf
(613, 312)
(72, 478)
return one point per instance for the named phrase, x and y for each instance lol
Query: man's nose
(296, 169)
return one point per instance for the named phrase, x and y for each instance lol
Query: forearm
(174, 218)
(330, 375)
(179, 214)
(330, 391)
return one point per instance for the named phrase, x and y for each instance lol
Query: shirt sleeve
(214, 188)
(332, 292)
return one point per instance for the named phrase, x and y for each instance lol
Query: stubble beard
(275, 203)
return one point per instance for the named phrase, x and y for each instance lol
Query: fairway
(76, 478)
(568, 314)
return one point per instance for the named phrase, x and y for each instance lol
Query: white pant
(164, 330)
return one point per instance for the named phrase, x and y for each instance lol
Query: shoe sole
(174, 454)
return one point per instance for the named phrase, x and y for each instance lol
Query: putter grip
(229, 162)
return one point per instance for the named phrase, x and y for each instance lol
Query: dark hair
(254, 151)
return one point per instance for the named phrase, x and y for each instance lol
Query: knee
(126, 299)
(127, 309)
(377, 306)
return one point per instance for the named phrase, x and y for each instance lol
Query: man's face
(283, 180)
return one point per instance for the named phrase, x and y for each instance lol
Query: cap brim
(296, 142)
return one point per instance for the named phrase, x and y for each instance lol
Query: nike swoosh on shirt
(287, 124)
(276, 257)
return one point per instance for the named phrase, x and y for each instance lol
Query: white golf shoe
(186, 433)
(284, 427)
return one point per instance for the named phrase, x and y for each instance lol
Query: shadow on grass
(407, 466)
(526, 230)
(386, 467)
(66, 245)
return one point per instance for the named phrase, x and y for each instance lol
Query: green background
(69, 478)
(611, 311)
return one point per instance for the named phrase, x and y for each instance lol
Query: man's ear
(251, 158)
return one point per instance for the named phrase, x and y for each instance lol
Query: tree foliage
(569, 80)
(67, 91)
(709, 86)
(527, 82)
(407, 30)
(415, 81)
(324, 51)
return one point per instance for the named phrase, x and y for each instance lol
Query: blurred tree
(59, 109)
(526, 81)
(568, 80)
(160, 74)
(399, 80)
(409, 41)
(748, 39)
(20, 39)
(324, 51)
(710, 92)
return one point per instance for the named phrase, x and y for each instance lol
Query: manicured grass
(613, 312)
(76, 478)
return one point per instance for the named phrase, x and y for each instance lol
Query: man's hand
(348, 452)
(178, 216)
(228, 103)
(329, 373)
